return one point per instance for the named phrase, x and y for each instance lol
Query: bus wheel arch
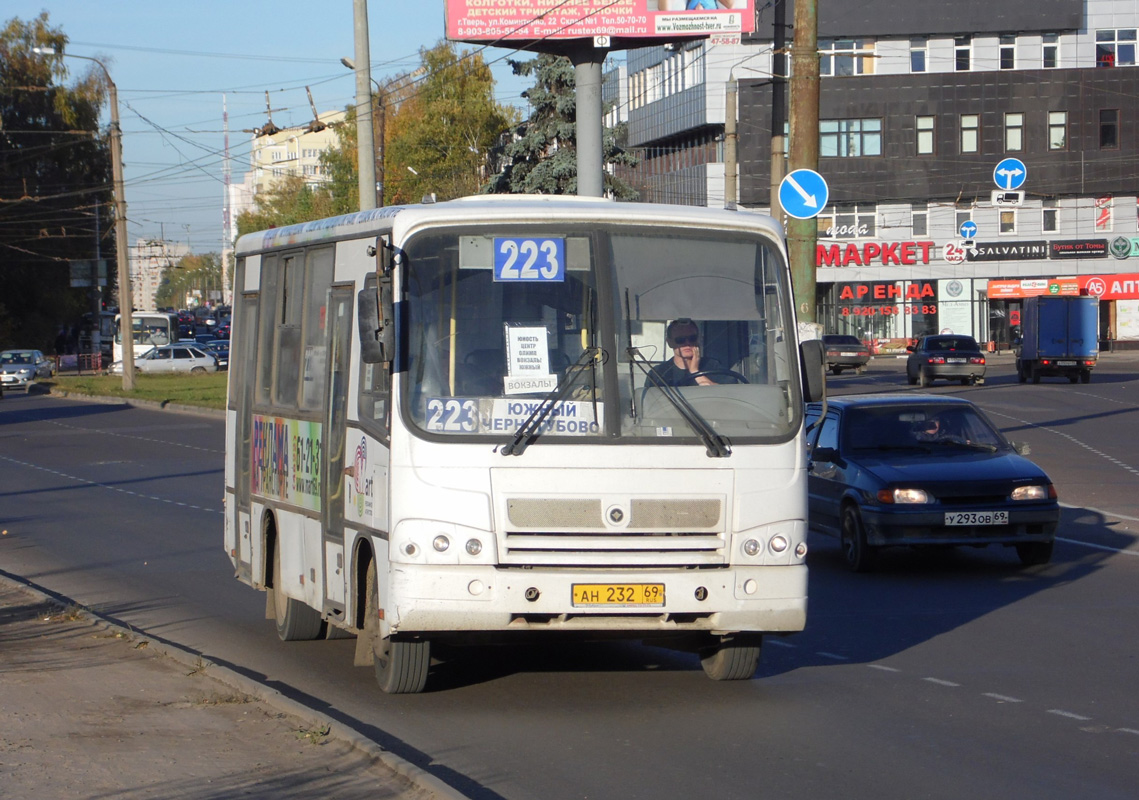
(296, 621)
(366, 605)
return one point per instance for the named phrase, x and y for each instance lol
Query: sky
(174, 60)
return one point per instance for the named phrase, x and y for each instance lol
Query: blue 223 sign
(528, 259)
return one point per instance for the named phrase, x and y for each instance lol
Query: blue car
(922, 470)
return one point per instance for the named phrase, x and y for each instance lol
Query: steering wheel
(690, 378)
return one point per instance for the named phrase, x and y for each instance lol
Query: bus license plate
(976, 518)
(618, 594)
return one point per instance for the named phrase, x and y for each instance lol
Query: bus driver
(684, 338)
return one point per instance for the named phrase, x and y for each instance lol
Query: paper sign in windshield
(528, 361)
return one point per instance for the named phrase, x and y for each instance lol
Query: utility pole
(731, 142)
(778, 104)
(365, 137)
(126, 322)
(587, 75)
(802, 234)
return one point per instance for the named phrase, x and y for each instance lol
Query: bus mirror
(811, 360)
(376, 320)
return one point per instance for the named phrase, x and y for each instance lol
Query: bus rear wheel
(732, 658)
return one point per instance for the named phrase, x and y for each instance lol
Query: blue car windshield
(918, 428)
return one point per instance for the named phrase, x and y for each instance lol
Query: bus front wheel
(296, 621)
(400, 665)
(731, 658)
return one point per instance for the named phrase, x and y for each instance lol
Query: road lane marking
(940, 682)
(1004, 698)
(1060, 713)
(883, 667)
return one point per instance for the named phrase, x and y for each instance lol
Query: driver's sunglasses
(682, 340)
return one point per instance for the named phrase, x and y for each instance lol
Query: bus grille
(658, 532)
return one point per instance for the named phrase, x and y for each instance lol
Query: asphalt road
(939, 675)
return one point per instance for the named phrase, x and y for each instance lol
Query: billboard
(508, 22)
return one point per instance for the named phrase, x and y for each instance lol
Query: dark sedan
(949, 356)
(916, 470)
(845, 352)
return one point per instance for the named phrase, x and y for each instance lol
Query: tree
(540, 155)
(439, 129)
(192, 274)
(55, 183)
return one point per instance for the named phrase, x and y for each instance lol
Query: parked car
(915, 470)
(178, 357)
(18, 368)
(949, 356)
(845, 352)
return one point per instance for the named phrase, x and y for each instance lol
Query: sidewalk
(96, 711)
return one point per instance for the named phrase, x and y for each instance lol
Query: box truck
(1058, 337)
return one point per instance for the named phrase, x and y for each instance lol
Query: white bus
(443, 426)
(151, 329)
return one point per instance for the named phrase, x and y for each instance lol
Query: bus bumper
(450, 598)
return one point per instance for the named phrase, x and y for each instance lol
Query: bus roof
(505, 207)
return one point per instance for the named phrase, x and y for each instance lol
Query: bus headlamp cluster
(776, 545)
(438, 542)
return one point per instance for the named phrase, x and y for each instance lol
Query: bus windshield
(658, 325)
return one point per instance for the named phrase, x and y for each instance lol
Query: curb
(417, 777)
(156, 405)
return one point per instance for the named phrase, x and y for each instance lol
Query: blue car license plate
(976, 518)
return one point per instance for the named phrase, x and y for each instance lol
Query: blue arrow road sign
(803, 194)
(1010, 174)
(968, 229)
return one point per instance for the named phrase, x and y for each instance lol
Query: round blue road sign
(1010, 174)
(803, 194)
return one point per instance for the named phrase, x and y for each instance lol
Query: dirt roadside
(95, 711)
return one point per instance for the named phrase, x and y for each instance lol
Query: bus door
(339, 343)
(242, 374)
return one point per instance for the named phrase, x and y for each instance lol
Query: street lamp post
(126, 323)
(377, 139)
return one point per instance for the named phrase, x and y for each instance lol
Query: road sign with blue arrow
(803, 194)
(1010, 174)
(968, 229)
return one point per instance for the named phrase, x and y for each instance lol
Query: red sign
(1105, 287)
(509, 21)
(874, 254)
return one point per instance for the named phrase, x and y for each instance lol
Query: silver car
(18, 368)
(179, 357)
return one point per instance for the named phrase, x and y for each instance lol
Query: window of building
(1057, 130)
(925, 131)
(1007, 221)
(1050, 53)
(919, 220)
(1115, 48)
(1050, 215)
(847, 138)
(848, 222)
(919, 49)
(970, 133)
(963, 53)
(1109, 128)
(844, 57)
(1007, 50)
(1014, 132)
(962, 213)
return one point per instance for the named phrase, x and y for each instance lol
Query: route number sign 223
(526, 259)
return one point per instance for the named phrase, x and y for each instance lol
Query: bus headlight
(410, 549)
(441, 543)
(474, 547)
(778, 543)
(751, 547)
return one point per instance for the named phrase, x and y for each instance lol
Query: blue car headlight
(1033, 492)
(902, 496)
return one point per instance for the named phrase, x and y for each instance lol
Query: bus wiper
(529, 427)
(717, 445)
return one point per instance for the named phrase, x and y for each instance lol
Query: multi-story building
(148, 259)
(919, 104)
